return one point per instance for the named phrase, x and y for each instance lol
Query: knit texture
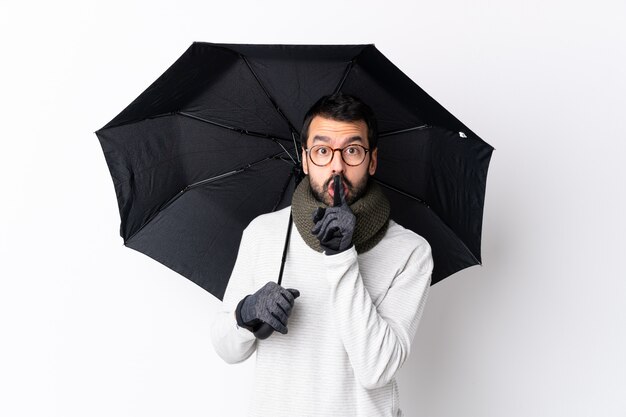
(350, 331)
(371, 211)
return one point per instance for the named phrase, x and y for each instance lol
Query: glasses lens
(353, 155)
(321, 154)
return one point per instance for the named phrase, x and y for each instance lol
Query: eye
(322, 150)
(353, 150)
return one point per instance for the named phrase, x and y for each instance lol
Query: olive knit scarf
(371, 211)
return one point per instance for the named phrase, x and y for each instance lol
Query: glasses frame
(308, 152)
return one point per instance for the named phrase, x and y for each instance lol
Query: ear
(305, 163)
(373, 161)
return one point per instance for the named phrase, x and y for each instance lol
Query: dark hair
(344, 108)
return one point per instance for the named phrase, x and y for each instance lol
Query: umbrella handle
(264, 331)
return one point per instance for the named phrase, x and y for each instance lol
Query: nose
(337, 163)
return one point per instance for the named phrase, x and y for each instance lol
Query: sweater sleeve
(232, 343)
(378, 339)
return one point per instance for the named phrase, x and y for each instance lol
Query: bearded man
(358, 282)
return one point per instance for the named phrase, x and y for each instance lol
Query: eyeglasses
(352, 155)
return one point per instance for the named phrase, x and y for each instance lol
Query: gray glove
(271, 304)
(334, 226)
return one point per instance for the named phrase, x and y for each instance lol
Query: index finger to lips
(337, 188)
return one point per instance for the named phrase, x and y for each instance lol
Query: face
(337, 134)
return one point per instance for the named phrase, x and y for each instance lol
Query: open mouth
(331, 190)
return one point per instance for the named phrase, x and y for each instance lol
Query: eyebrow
(327, 139)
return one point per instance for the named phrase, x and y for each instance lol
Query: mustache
(330, 182)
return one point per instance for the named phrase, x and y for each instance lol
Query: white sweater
(349, 331)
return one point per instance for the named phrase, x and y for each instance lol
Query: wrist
(330, 251)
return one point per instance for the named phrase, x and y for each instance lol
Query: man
(357, 282)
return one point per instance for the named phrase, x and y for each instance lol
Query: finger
(285, 305)
(286, 297)
(318, 214)
(331, 216)
(330, 220)
(283, 309)
(316, 228)
(277, 311)
(331, 233)
(321, 227)
(343, 197)
(319, 223)
(324, 217)
(294, 292)
(337, 197)
(277, 325)
(332, 239)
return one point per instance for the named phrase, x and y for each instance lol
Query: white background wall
(91, 328)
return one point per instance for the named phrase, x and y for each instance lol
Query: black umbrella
(214, 142)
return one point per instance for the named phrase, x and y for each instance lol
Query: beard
(355, 191)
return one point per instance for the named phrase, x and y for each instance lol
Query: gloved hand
(334, 226)
(271, 304)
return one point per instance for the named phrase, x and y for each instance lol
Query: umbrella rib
(419, 200)
(295, 146)
(294, 162)
(196, 184)
(247, 132)
(236, 129)
(345, 74)
(395, 132)
(404, 193)
(280, 112)
(349, 68)
(156, 116)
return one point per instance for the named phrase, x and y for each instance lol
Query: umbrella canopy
(214, 142)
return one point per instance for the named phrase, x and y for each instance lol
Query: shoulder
(402, 243)
(269, 222)
(400, 235)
